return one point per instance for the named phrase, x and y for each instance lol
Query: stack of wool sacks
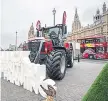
(18, 69)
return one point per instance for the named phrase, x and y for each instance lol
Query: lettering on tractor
(50, 48)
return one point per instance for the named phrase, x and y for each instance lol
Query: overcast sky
(18, 15)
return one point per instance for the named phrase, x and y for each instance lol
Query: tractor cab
(55, 33)
(59, 30)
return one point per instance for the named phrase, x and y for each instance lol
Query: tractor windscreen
(52, 32)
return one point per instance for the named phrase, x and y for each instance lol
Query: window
(83, 41)
(89, 40)
(100, 49)
(55, 30)
(106, 39)
(97, 40)
(79, 41)
(102, 39)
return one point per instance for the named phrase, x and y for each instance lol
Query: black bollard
(78, 58)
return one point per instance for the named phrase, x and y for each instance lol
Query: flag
(38, 25)
(64, 18)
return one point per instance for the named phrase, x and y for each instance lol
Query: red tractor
(52, 50)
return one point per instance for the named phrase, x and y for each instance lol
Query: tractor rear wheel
(70, 59)
(56, 64)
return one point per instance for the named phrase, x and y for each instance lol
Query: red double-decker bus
(94, 47)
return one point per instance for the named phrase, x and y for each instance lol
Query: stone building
(99, 26)
(12, 47)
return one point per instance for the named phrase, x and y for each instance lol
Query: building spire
(32, 23)
(76, 11)
(97, 17)
(104, 7)
(76, 24)
(98, 11)
(76, 14)
(31, 31)
(104, 4)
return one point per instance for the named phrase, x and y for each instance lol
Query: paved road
(71, 88)
(94, 61)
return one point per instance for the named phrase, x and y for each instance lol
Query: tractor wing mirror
(65, 29)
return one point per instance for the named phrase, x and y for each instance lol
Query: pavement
(72, 88)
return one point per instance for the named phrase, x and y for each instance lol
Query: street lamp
(54, 12)
(16, 41)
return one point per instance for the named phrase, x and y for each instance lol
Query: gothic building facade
(31, 32)
(99, 26)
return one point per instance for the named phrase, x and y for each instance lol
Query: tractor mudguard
(63, 48)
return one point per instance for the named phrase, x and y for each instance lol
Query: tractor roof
(58, 25)
(36, 38)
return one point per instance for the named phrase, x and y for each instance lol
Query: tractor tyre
(56, 64)
(70, 59)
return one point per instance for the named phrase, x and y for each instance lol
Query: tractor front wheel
(56, 64)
